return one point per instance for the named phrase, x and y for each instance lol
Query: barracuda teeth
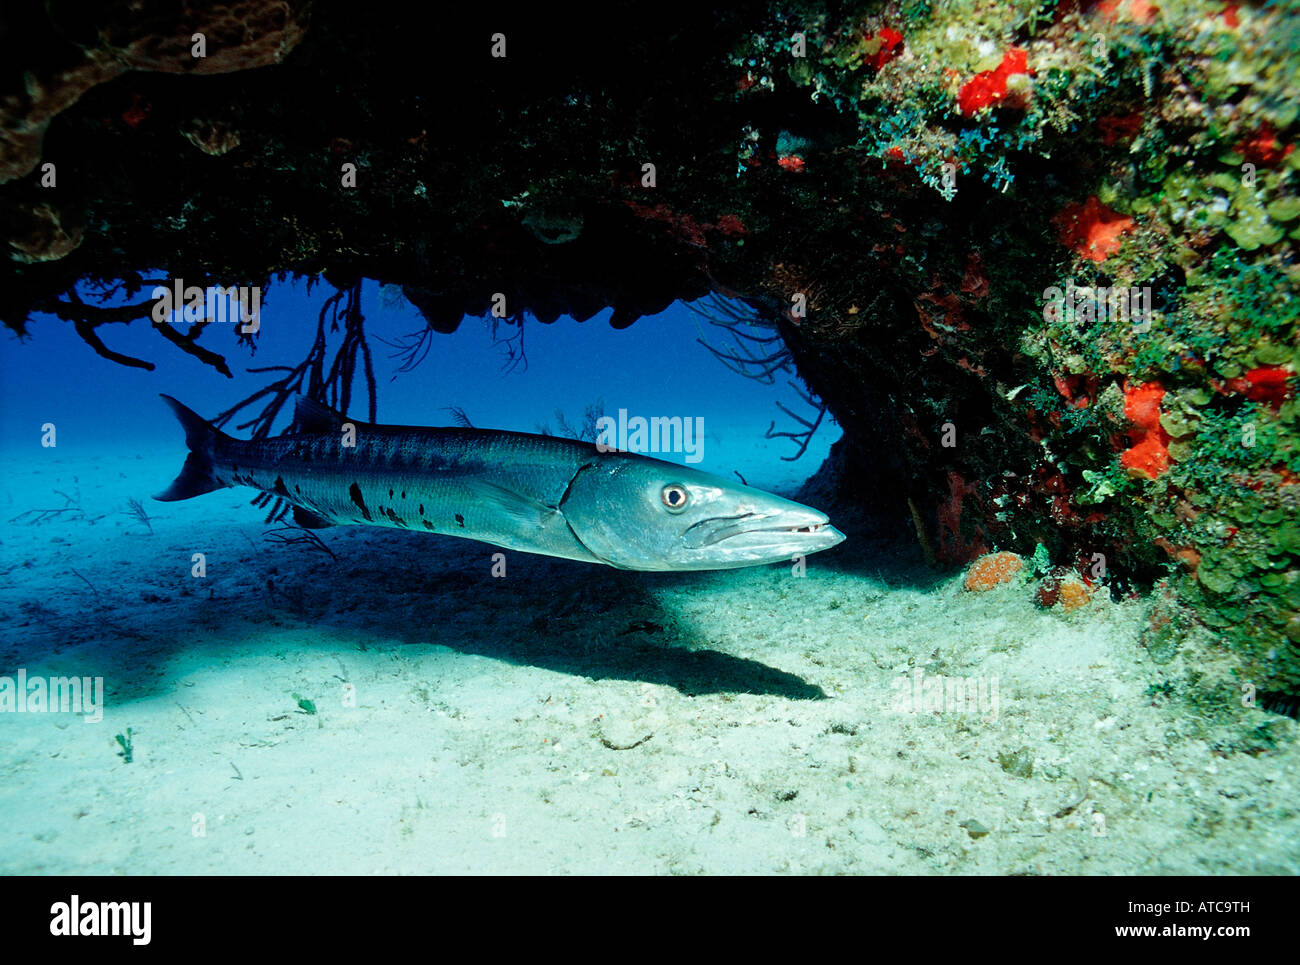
(806, 528)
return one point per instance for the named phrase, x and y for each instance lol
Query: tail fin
(196, 475)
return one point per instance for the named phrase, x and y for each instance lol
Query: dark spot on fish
(390, 494)
(460, 520)
(394, 517)
(279, 486)
(421, 509)
(403, 493)
(428, 525)
(354, 491)
(297, 488)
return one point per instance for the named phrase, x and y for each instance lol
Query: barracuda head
(644, 514)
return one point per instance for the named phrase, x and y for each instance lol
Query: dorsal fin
(312, 416)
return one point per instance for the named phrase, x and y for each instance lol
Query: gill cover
(634, 512)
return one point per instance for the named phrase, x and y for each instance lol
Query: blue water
(654, 368)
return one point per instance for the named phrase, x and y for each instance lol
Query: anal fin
(309, 520)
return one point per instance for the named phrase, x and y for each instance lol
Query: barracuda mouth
(811, 528)
(754, 531)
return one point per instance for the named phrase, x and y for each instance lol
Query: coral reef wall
(1055, 278)
(1038, 258)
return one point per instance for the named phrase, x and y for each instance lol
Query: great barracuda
(536, 494)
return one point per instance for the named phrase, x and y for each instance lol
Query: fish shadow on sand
(387, 588)
(578, 619)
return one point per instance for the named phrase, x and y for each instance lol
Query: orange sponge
(990, 570)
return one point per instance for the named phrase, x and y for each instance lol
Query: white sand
(494, 718)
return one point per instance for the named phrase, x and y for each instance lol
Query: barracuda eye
(674, 497)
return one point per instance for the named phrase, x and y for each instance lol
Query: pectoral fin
(520, 512)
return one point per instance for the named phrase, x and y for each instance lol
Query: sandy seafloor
(494, 719)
